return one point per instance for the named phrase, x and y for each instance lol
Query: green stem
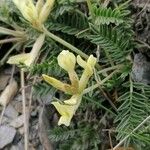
(109, 57)
(99, 104)
(66, 44)
(9, 40)
(11, 32)
(109, 69)
(87, 90)
(135, 129)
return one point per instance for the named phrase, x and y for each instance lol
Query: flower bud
(35, 14)
(67, 60)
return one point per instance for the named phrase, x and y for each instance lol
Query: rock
(18, 106)
(7, 135)
(11, 112)
(5, 120)
(17, 122)
(19, 146)
(14, 147)
(141, 69)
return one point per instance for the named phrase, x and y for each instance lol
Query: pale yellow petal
(71, 101)
(88, 71)
(39, 6)
(81, 62)
(45, 11)
(17, 59)
(58, 84)
(66, 60)
(31, 10)
(37, 46)
(64, 120)
(91, 61)
(65, 111)
(21, 5)
(68, 109)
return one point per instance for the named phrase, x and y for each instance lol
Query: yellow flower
(35, 14)
(67, 61)
(28, 58)
(88, 70)
(68, 109)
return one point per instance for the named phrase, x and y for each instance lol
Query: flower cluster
(35, 14)
(67, 61)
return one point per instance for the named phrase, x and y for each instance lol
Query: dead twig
(24, 110)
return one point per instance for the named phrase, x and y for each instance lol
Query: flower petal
(66, 110)
(66, 60)
(64, 120)
(17, 59)
(58, 84)
(46, 9)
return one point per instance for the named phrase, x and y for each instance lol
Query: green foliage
(42, 90)
(107, 32)
(80, 138)
(47, 67)
(111, 40)
(131, 114)
(85, 131)
(103, 15)
(70, 23)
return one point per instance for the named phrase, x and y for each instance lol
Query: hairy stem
(66, 44)
(87, 90)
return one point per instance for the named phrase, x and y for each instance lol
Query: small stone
(17, 122)
(7, 135)
(14, 147)
(34, 113)
(141, 69)
(11, 112)
(18, 106)
(19, 146)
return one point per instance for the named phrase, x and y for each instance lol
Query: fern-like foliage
(70, 23)
(104, 15)
(107, 15)
(80, 138)
(131, 114)
(47, 67)
(42, 90)
(111, 40)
